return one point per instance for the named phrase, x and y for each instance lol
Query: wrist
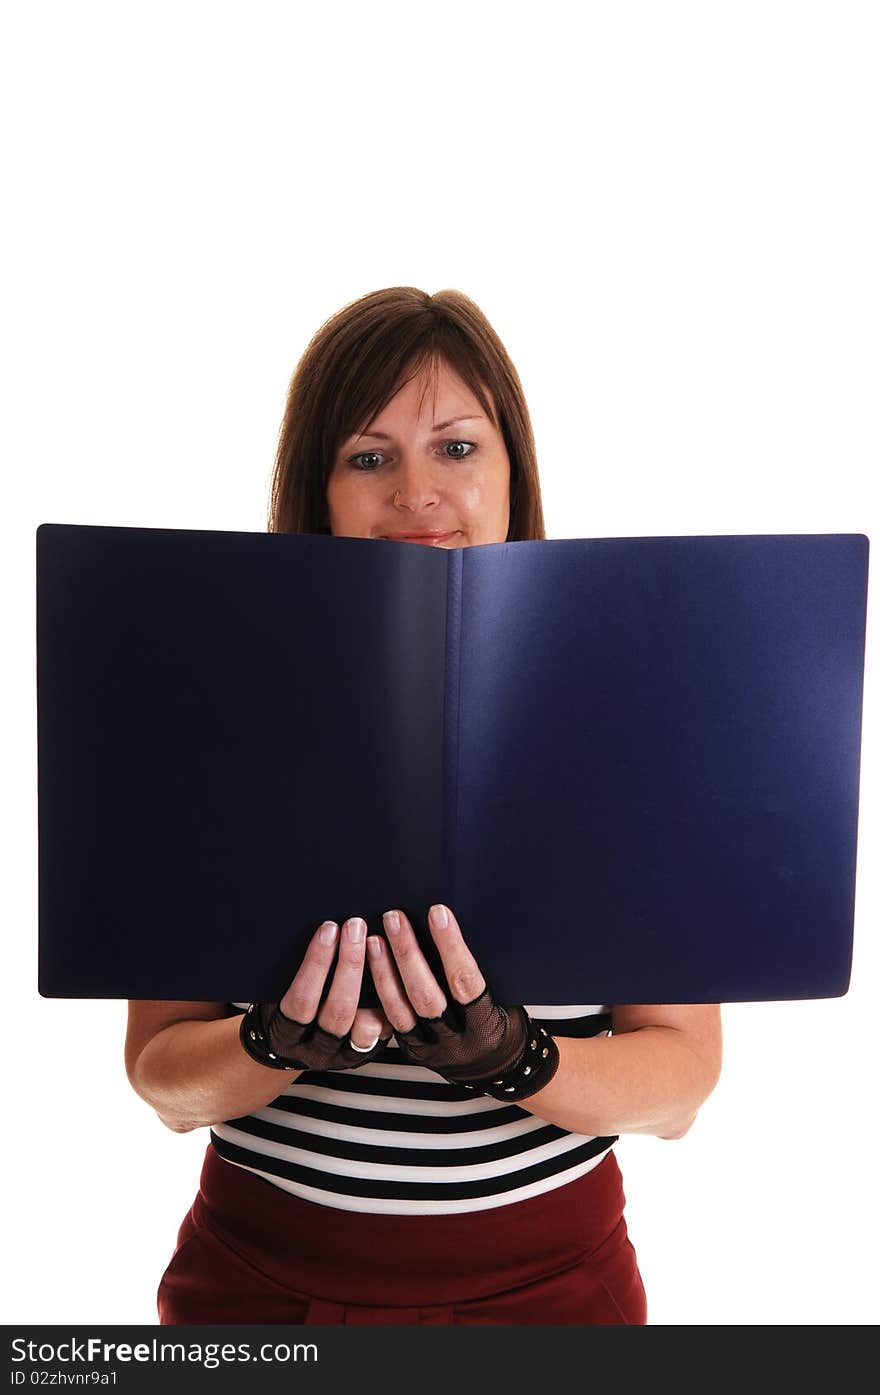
(254, 1037)
(534, 1068)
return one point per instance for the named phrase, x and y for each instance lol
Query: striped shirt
(397, 1139)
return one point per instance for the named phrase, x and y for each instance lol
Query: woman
(441, 1159)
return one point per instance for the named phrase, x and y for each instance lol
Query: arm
(186, 1059)
(650, 1076)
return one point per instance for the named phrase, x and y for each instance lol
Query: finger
(462, 971)
(397, 1005)
(303, 997)
(368, 1027)
(339, 1007)
(421, 987)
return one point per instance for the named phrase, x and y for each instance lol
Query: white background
(670, 213)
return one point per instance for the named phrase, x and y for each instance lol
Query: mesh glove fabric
(484, 1046)
(278, 1041)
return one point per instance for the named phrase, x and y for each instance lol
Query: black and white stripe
(398, 1139)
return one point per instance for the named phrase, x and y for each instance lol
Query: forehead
(427, 394)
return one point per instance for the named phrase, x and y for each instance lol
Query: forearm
(645, 1081)
(197, 1073)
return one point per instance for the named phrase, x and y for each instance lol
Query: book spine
(451, 708)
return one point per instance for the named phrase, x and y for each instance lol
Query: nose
(414, 486)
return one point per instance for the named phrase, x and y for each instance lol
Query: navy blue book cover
(630, 765)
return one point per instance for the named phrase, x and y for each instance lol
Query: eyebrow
(438, 426)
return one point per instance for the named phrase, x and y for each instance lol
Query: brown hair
(354, 365)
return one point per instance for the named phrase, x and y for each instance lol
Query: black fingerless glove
(275, 1040)
(485, 1047)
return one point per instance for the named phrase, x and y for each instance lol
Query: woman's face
(430, 463)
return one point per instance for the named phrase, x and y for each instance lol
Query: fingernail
(374, 947)
(391, 921)
(438, 917)
(327, 932)
(357, 928)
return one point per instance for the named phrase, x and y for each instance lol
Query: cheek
(473, 496)
(489, 492)
(343, 502)
(486, 490)
(483, 505)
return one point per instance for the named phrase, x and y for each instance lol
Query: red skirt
(248, 1252)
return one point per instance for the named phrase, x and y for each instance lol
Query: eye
(366, 460)
(457, 450)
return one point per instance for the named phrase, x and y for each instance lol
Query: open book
(629, 765)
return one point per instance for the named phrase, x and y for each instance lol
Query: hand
(304, 1033)
(473, 1041)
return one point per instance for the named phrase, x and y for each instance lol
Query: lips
(421, 537)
